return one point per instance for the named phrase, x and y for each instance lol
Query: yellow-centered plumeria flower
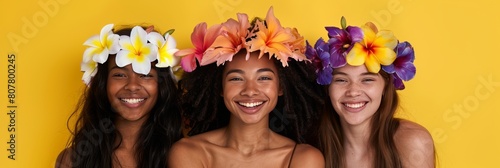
(136, 51)
(100, 46)
(376, 48)
(166, 49)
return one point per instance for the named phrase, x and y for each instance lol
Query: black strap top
(291, 157)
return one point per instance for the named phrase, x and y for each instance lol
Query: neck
(248, 138)
(129, 132)
(357, 137)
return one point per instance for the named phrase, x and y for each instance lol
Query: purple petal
(310, 52)
(405, 52)
(406, 71)
(389, 68)
(325, 76)
(356, 33)
(398, 83)
(337, 59)
(325, 59)
(334, 32)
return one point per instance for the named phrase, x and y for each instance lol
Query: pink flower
(202, 38)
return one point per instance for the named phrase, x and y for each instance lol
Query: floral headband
(362, 45)
(139, 49)
(221, 42)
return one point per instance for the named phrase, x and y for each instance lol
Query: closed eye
(118, 75)
(265, 78)
(235, 79)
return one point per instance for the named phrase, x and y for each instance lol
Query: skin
(250, 91)
(356, 95)
(132, 96)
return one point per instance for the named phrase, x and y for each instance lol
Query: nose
(133, 83)
(250, 89)
(353, 90)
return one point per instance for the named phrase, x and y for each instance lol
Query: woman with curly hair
(247, 97)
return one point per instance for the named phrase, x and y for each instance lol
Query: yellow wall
(453, 94)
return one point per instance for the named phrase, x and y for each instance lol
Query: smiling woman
(361, 77)
(247, 97)
(128, 115)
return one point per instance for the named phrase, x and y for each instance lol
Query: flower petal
(385, 56)
(156, 39)
(138, 37)
(141, 67)
(406, 71)
(325, 76)
(386, 39)
(372, 64)
(122, 58)
(105, 32)
(188, 63)
(356, 33)
(357, 55)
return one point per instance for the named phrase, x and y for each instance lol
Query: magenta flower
(402, 68)
(320, 58)
(341, 42)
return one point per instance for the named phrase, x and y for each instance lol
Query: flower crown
(139, 49)
(362, 45)
(221, 42)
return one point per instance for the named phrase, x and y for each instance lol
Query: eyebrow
(242, 72)
(364, 73)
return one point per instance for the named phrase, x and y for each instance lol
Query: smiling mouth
(250, 105)
(132, 101)
(355, 105)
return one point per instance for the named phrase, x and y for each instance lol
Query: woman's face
(250, 88)
(355, 94)
(132, 95)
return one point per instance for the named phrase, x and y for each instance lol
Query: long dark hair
(94, 136)
(383, 128)
(294, 115)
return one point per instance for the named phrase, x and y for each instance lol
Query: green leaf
(343, 22)
(169, 32)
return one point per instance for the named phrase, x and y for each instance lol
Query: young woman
(129, 114)
(247, 102)
(363, 68)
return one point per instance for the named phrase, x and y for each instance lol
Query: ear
(280, 92)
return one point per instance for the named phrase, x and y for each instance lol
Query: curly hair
(294, 115)
(94, 136)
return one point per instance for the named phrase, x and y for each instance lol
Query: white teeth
(132, 101)
(357, 105)
(253, 104)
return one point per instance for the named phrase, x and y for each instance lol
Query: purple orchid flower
(320, 58)
(341, 42)
(402, 68)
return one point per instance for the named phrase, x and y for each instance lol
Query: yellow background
(453, 94)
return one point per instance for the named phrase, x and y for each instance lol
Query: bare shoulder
(193, 151)
(415, 145)
(307, 156)
(63, 159)
(186, 152)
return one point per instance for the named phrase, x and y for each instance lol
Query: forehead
(252, 64)
(351, 70)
